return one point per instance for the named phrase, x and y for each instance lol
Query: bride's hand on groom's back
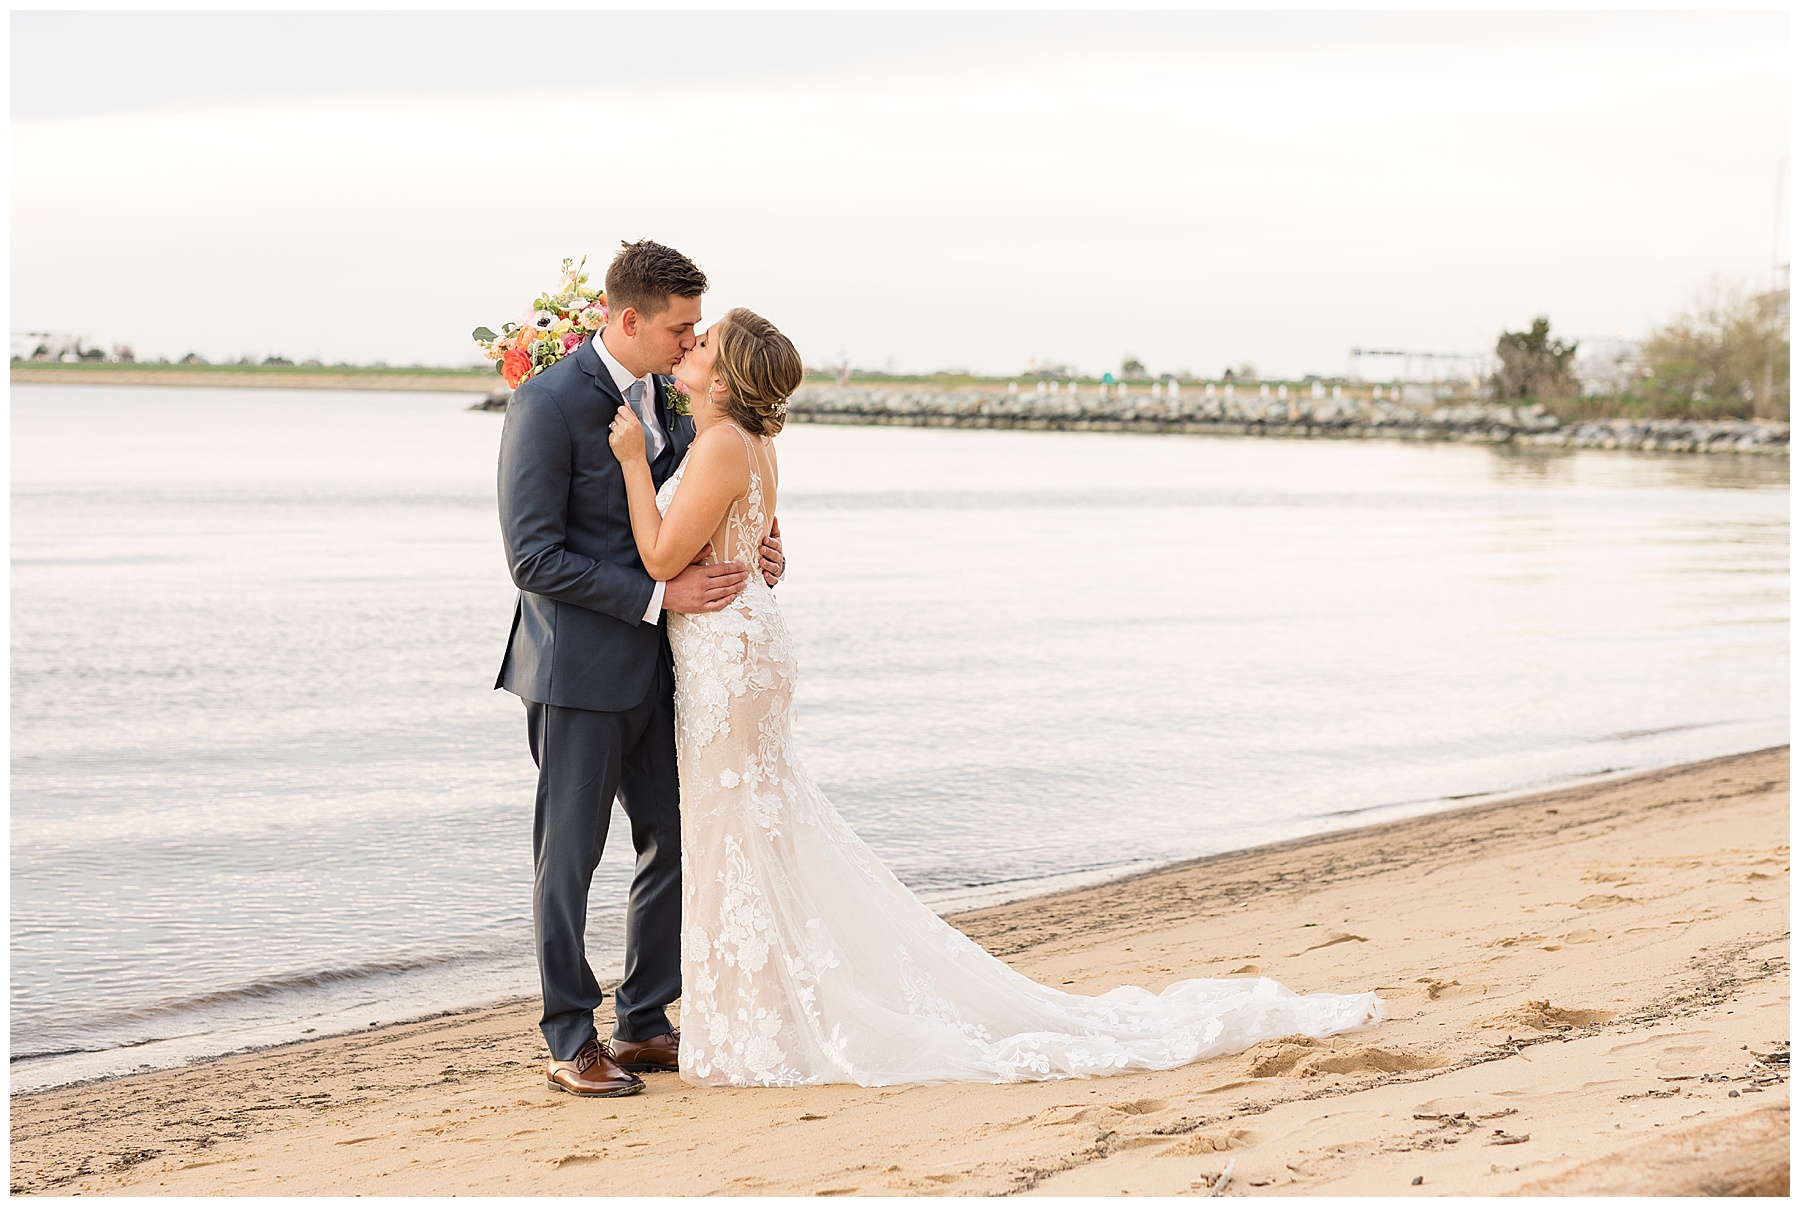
(701, 588)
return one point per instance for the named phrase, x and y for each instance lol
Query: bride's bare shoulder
(719, 450)
(722, 437)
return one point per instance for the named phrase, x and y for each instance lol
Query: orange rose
(516, 367)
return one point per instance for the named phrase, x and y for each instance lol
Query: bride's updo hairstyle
(760, 367)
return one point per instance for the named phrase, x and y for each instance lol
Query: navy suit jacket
(578, 634)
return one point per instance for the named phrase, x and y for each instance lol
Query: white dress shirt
(654, 437)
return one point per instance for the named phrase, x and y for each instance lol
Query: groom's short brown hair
(644, 275)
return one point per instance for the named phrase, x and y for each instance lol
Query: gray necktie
(634, 394)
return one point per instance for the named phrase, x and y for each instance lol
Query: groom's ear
(629, 321)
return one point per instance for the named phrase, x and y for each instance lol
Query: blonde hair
(760, 367)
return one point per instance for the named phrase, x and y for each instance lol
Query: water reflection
(1564, 467)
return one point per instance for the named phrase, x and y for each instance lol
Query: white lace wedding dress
(805, 961)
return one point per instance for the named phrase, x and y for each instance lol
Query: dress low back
(804, 960)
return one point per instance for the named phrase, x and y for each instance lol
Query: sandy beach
(1587, 993)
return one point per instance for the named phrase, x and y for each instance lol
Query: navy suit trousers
(586, 758)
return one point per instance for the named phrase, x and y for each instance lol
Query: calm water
(260, 785)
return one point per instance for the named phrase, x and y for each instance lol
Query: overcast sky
(930, 190)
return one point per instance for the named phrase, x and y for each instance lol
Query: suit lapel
(590, 362)
(677, 430)
(674, 438)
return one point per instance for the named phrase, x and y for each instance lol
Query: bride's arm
(718, 471)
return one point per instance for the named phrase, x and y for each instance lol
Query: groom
(589, 655)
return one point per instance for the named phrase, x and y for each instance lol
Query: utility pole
(1775, 302)
(1778, 270)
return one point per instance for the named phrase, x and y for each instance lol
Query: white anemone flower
(543, 320)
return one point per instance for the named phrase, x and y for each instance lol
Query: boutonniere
(679, 402)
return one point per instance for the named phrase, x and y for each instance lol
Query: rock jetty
(1306, 418)
(1139, 410)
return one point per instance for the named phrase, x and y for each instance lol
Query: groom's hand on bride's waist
(705, 588)
(774, 561)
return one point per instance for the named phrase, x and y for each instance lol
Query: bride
(803, 959)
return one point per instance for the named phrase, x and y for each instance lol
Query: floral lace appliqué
(804, 960)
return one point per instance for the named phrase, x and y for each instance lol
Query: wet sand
(1587, 993)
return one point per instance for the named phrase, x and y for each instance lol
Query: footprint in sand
(1139, 1106)
(1299, 1056)
(1201, 1144)
(1061, 1116)
(1541, 1016)
(1438, 988)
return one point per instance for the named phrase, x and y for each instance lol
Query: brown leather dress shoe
(593, 1074)
(661, 1054)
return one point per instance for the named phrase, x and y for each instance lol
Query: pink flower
(572, 341)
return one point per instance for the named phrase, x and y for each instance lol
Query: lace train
(804, 960)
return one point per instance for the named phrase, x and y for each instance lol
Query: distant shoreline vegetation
(258, 376)
(1311, 409)
(1723, 359)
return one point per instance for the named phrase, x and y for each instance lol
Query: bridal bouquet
(552, 327)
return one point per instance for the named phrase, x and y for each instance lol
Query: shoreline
(253, 378)
(1464, 423)
(1683, 868)
(1141, 413)
(950, 904)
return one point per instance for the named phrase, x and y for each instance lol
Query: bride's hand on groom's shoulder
(701, 588)
(626, 436)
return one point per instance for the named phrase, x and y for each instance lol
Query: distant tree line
(1724, 357)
